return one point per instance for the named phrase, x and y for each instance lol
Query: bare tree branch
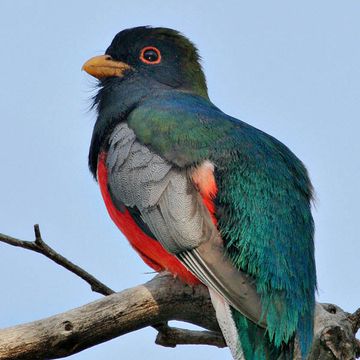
(96, 285)
(171, 337)
(333, 334)
(41, 247)
(160, 300)
(152, 304)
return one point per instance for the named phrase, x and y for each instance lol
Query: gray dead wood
(161, 299)
(153, 304)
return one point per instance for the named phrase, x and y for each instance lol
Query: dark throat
(114, 101)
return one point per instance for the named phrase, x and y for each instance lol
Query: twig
(41, 247)
(172, 336)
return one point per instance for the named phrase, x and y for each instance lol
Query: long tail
(227, 325)
(246, 340)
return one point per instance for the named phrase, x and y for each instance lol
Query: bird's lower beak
(104, 66)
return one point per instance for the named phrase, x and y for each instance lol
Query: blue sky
(288, 68)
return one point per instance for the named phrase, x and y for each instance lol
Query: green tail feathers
(255, 341)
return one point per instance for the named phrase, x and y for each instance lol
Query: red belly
(149, 249)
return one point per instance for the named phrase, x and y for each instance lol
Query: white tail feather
(227, 325)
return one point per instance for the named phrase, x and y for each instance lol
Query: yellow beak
(104, 66)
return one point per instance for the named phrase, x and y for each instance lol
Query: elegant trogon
(204, 195)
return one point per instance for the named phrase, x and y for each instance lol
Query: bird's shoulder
(182, 127)
(187, 129)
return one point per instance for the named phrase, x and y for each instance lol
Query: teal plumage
(263, 199)
(263, 203)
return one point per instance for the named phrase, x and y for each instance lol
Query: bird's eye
(150, 55)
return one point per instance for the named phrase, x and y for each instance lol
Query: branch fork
(160, 300)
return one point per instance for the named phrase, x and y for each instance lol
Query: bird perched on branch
(204, 195)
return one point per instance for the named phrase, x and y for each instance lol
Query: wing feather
(174, 211)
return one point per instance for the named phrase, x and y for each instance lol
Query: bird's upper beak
(104, 66)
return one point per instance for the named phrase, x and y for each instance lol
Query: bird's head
(140, 63)
(159, 57)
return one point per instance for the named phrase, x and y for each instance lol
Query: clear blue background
(289, 68)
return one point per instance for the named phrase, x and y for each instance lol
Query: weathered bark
(334, 336)
(160, 300)
(152, 304)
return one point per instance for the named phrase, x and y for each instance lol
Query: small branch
(172, 336)
(41, 247)
(355, 320)
(38, 239)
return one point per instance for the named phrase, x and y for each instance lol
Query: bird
(203, 195)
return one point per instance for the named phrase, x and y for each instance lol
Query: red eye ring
(150, 55)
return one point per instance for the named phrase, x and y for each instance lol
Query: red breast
(149, 249)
